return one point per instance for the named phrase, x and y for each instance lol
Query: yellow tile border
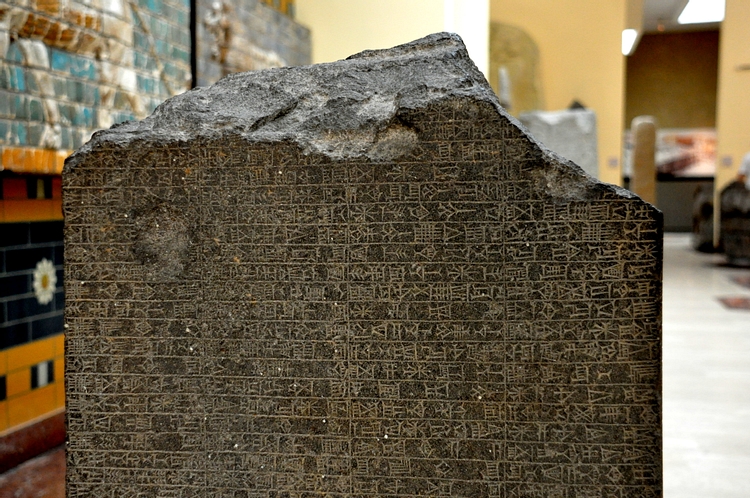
(33, 160)
(17, 383)
(31, 421)
(59, 394)
(31, 405)
(4, 417)
(29, 354)
(17, 210)
(59, 341)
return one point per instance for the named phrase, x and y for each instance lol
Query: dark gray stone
(356, 279)
(735, 223)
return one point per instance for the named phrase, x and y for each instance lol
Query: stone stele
(356, 279)
(569, 132)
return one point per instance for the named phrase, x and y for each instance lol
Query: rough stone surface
(569, 132)
(356, 279)
(735, 223)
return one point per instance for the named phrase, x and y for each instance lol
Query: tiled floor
(706, 377)
(706, 386)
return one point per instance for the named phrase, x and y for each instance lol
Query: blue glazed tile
(18, 133)
(155, 5)
(66, 138)
(7, 104)
(70, 89)
(35, 131)
(59, 61)
(14, 53)
(140, 41)
(162, 48)
(4, 130)
(66, 112)
(138, 61)
(82, 68)
(18, 81)
(60, 86)
(78, 118)
(180, 54)
(153, 26)
(5, 76)
(79, 137)
(31, 82)
(36, 110)
(88, 117)
(142, 83)
(87, 97)
(79, 91)
(19, 105)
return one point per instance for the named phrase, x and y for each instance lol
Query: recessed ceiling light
(628, 40)
(702, 11)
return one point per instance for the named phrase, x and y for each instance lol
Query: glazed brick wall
(67, 72)
(262, 34)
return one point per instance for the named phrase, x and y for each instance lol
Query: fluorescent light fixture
(629, 36)
(702, 11)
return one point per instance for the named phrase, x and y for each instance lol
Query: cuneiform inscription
(432, 326)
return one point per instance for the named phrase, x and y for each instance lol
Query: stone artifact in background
(568, 132)
(356, 279)
(514, 68)
(703, 219)
(643, 179)
(735, 223)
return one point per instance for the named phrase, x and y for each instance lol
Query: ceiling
(664, 13)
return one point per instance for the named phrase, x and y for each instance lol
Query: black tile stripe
(34, 376)
(50, 372)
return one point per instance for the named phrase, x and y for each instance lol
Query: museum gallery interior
(374, 248)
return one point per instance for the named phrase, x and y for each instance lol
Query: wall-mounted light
(702, 11)
(629, 37)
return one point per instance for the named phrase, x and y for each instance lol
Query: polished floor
(706, 355)
(706, 386)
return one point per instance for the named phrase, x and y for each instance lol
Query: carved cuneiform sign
(407, 296)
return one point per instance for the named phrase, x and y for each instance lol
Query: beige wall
(733, 101)
(672, 76)
(580, 58)
(341, 28)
